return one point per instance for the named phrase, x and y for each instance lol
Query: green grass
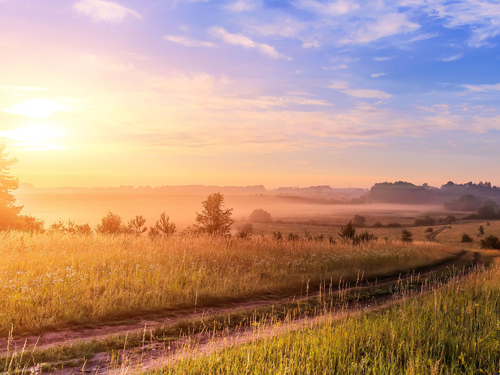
(455, 330)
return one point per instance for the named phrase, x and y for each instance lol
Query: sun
(36, 108)
(34, 137)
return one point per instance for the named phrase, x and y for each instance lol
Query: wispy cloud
(376, 58)
(483, 88)
(423, 37)
(376, 75)
(188, 42)
(452, 58)
(101, 10)
(241, 6)
(345, 87)
(362, 93)
(244, 41)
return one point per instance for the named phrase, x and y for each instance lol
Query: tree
(348, 232)
(480, 230)
(163, 227)
(406, 236)
(111, 224)
(9, 212)
(260, 216)
(491, 242)
(136, 225)
(359, 221)
(214, 219)
(466, 238)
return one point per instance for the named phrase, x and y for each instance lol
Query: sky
(248, 92)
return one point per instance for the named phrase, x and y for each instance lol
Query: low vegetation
(452, 331)
(56, 279)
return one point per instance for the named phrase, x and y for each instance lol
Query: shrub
(486, 212)
(277, 236)
(136, 225)
(163, 227)
(491, 242)
(466, 238)
(426, 221)
(378, 224)
(245, 231)
(393, 225)
(348, 232)
(406, 236)
(260, 216)
(111, 224)
(450, 219)
(480, 230)
(364, 237)
(429, 230)
(293, 237)
(359, 221)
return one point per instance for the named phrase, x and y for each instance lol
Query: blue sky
(250, 92)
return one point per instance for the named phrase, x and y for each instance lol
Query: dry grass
(60, 280)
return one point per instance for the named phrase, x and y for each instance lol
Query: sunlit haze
(247, 92)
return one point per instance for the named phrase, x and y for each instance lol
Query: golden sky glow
(104, 93)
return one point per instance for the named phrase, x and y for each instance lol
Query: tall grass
(455, 330)
(59, 280)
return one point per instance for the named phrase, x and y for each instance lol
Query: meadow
(453, 330)
(50, 281)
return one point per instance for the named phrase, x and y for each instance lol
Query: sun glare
(34, 137)
(36, 108)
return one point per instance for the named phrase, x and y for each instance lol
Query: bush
(245, 231)
(450, 219)
(277, 236)
(293, 237)
(426, 221)
(359, 221)
(393, 225)
(480, 230)
(491, 242)
(487, 212)
(429, 230)
(348, 232)
(378, 224)
(364, 237)
(260, 216)
(163, 227)
(406, 236)
(136, 225)
(466, 238)
(111, 224)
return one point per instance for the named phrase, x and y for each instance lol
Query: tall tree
(9, 212)
(214, 219)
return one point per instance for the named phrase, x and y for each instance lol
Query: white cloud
(330, 8)
(423, 37)
(241, 6)
(344, 87)
(339, 85)
(242, 40)
(101, 10)
(483, 88)
(381, 58)
(367, 93)
(188, 42)
(451, 58)
(376, 75)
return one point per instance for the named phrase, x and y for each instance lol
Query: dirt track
(71, 336)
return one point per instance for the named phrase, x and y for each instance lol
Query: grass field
(51, 281)
(455, 330)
